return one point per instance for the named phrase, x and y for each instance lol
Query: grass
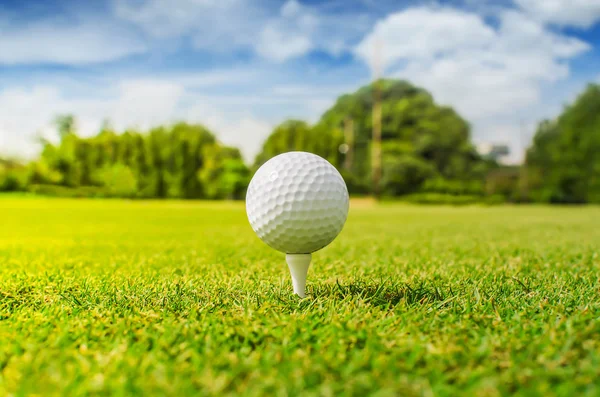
(180, 298)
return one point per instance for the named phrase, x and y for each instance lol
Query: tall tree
(167, 161)
(563, 164)
(420, 139)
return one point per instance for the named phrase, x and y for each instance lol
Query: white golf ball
(297, 202)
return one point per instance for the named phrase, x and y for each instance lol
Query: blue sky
(241, 66)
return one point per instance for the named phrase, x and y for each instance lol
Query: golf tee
(298, 264)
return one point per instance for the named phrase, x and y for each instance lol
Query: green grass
(180, 298)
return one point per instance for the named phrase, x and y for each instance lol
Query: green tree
(165, 162)
(65, 124)
(417, 136)
(405, 174)
(118, 181)
(563, 164)
(13, 175)
(225, 175)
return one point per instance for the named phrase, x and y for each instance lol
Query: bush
(440, 198)
(453, 187)
(405, 174)
(9, 183)
(13, 181)
(503, 182)
(118, 181)
(354, 184)
(495, 199)
(63, 191)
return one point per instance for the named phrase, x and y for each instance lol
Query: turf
(180, 298)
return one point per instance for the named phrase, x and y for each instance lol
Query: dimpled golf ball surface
(297, 202)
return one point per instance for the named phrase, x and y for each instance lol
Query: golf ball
(297, 202)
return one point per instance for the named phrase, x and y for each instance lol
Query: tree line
(426, 155)
(179, 161)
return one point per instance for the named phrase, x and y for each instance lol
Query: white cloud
(145, 103)
(494, 73)
(581, 13)
(316, 99)
(131, 103)
(521, 35)
(279, 45)
(236, 119)
(243, 131)
(276, 34)
(423, 33)
(312, 90)
(290, 34)
(66, 43)
(291, 8)
(486, 72)
(476, 90)
(300, 29)
(215, 77)
(137, 103)
(164, 18)
(217, 25)
(18, 124)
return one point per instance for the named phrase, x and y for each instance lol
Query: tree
(13, 175)
(165, 162)
(65, 124)
(225, 175)
(417, 136)
(405, 174)
(563, 165)
(298, 135)
(119, 181)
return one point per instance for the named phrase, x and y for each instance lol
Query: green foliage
(118, 180)
(426, 152)
(11, 181)
(13, 176)
(70, 192)
(225, 174)
(405, 174)
(288, 136)
(122, 298)
(40, 172)
(563, 164)
(412, 124)
(165, 162)
(453, 186)
(504, 182)
(444, 198)
(420, 140)
(298, 135)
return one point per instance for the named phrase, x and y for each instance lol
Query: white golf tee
(298, 264)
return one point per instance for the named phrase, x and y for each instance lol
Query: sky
(240, 67)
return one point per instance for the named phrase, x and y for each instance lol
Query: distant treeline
(427, 155)
(180, 161)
